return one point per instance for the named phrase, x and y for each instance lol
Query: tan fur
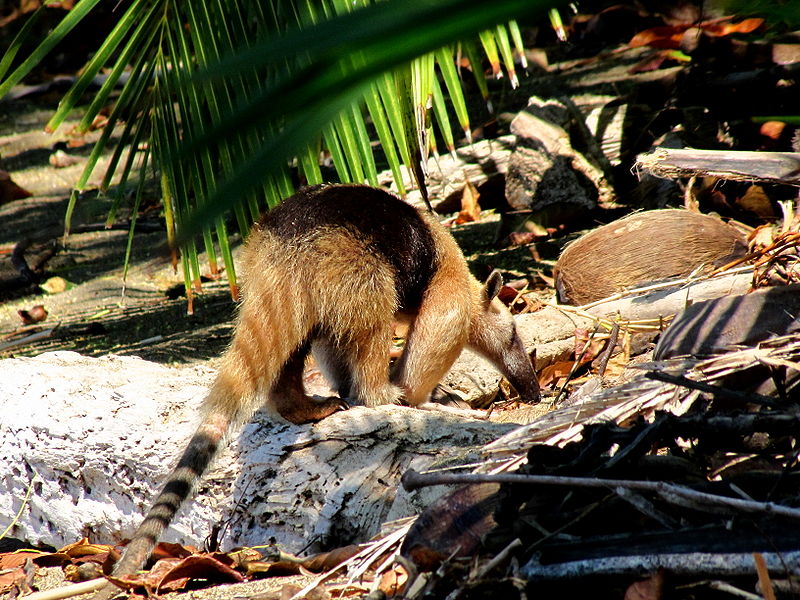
(333, 295)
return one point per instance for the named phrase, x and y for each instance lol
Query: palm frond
(230, 100)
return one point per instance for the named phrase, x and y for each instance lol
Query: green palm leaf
(229, 97)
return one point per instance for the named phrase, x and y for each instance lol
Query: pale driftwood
(770, 167)
(670, 298)
(97, 436)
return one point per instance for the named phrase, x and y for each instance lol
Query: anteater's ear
(492, 286)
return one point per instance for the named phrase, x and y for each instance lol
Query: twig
(413, 480)
(711, 389)
(575, 366)
(21, 508)
(69, 591)
(684, 564)
(34, 337)
(606, 354)
(722, 586)
(501, 557)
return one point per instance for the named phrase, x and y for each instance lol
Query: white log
(670, 301)
(96, 437)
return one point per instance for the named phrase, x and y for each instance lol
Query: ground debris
(698, 498)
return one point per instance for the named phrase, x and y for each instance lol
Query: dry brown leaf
(587, 353)
(723, 29)
(659, 37)
(772, 130)
(756, 201)
(34, 315)
(470, 209)
(10, 580)
(325, 561)
(394, 581)
(12, 560)
(761, 237)
(84, 548)
(651, 588)
(170, 574)
(172, 550)
(555, 372)
(669, 36)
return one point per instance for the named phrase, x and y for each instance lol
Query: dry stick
(575, 366)
(712, 389)
(413, 480)
(502, 557)
(679, 564)
(28, 339)
(69, 591)
(606, 354)
(21, 509)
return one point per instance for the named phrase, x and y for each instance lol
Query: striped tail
(193, 463)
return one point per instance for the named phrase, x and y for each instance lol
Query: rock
(93, 439)
(545, 172)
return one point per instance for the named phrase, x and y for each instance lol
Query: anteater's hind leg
(332, 361)
(289, 397)
(367, 354)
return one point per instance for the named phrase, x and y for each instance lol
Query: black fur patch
(389, 226)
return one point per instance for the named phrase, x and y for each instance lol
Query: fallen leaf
(84, 548)
(723, 29)
(761, 237)
(325, 561)
(12, 560)
(756, 201)
(587, 353)
(669, 36)
(34, 315)
(555, 372)
(8, 581)
(172, 550)
(651, 588)
(170, 574)
(470, 209)
(452, 526)
(659, 37)
(209, 567)
(394, 581)
(56, 285)
(772, 130)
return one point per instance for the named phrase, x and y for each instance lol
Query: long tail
(193, 463)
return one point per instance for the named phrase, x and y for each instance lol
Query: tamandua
(328, 271)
